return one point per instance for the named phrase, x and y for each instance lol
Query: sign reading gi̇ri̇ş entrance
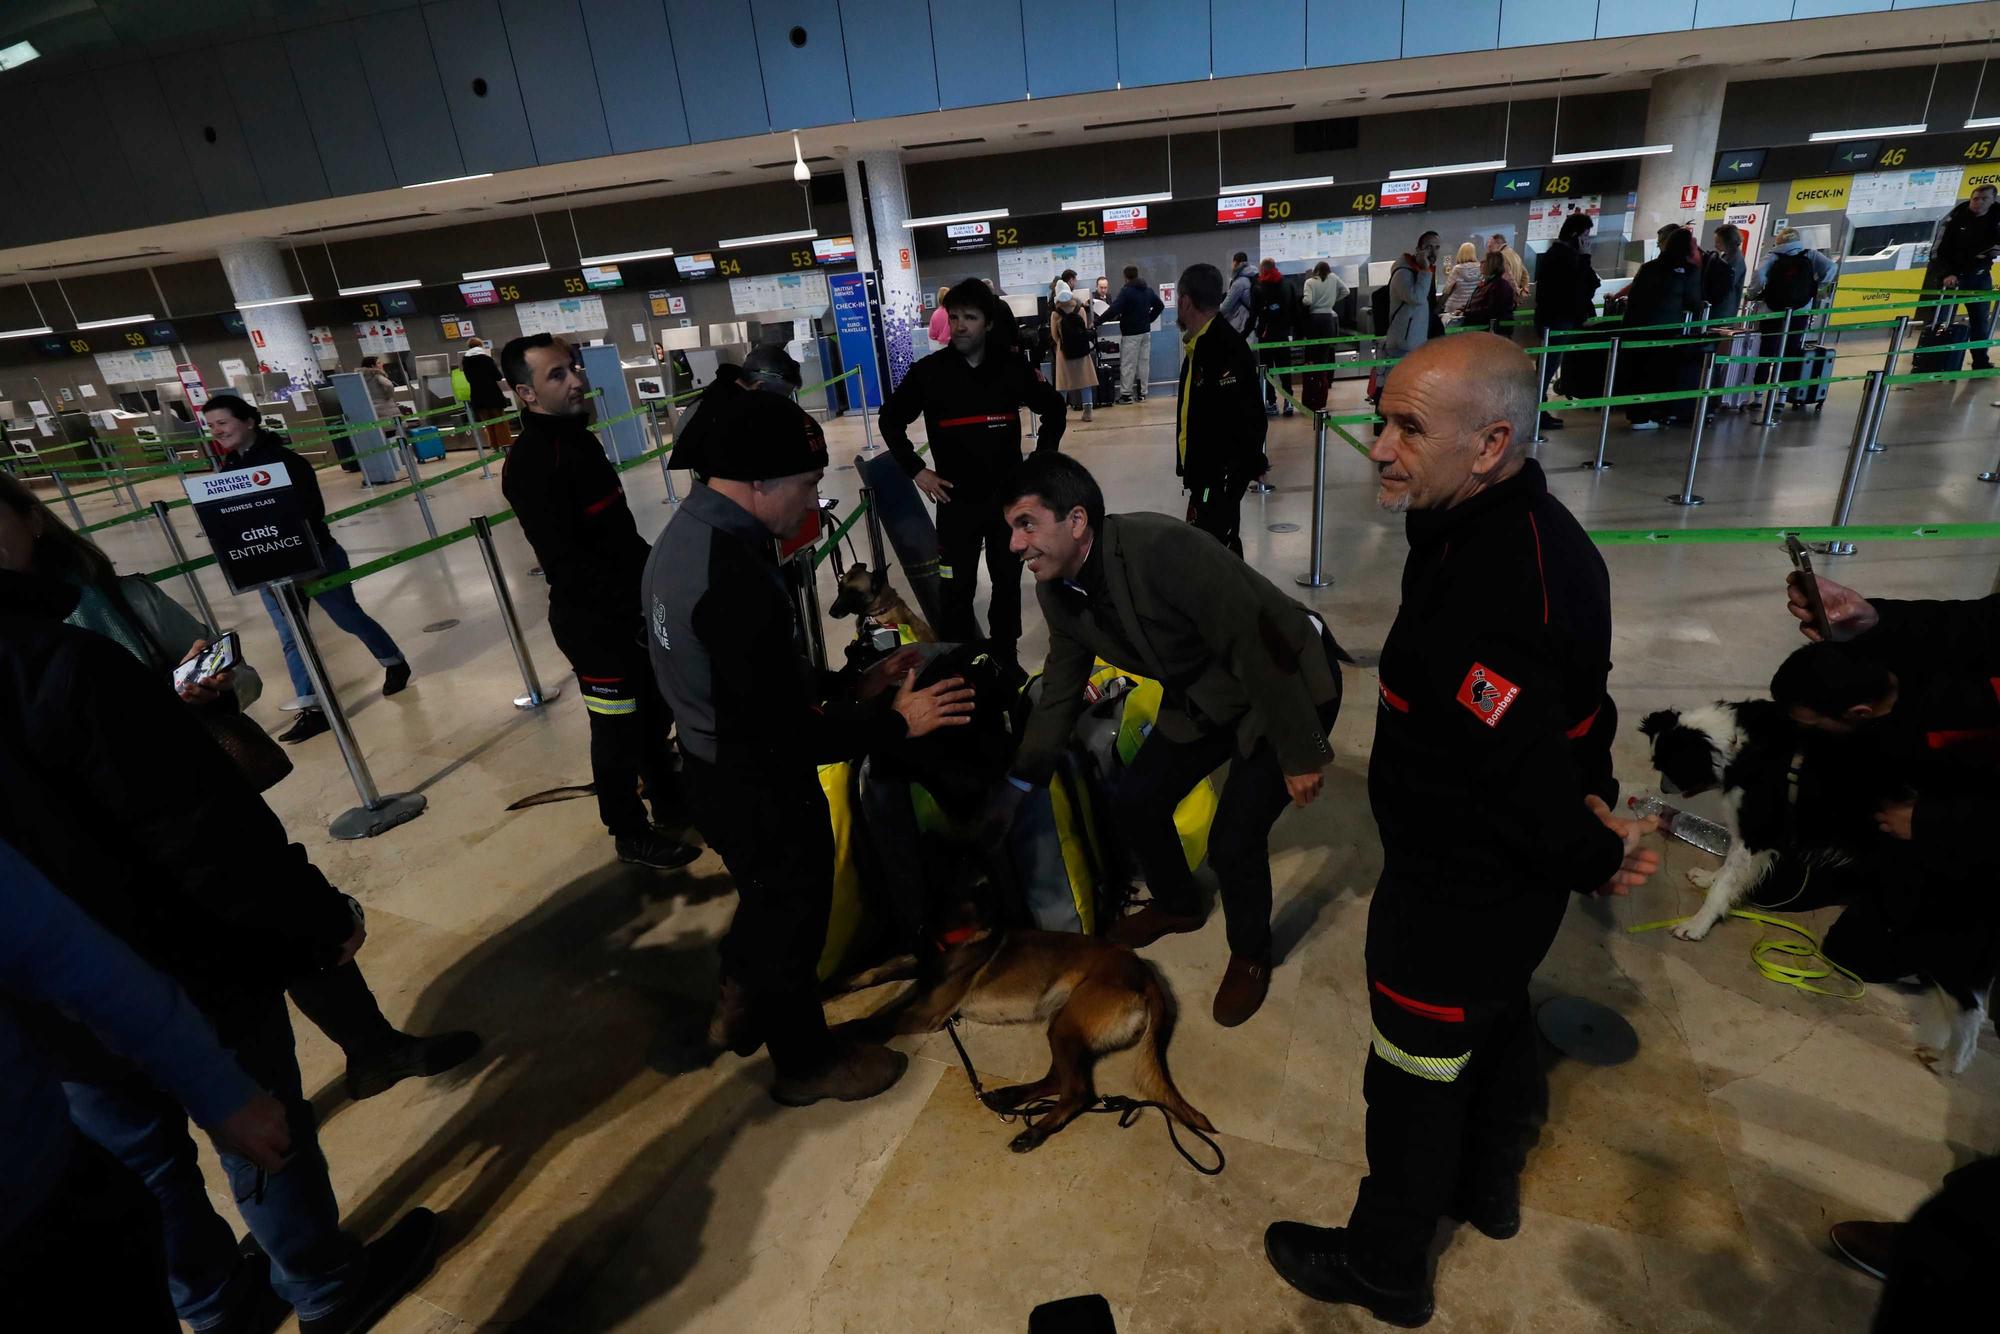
(255, 523)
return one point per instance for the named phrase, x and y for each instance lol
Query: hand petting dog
(1639, 863)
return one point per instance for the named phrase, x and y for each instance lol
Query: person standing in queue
(1219, 421)
(1252, 679)
(572, 510)
(1493, 717)
(756, 720)
(236, 425)
(484, 393)
(970, 396)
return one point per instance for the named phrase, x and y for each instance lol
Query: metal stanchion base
(1306, 580)
(1989, 476)
(366, 822)
(1687, 500)
(1834, 548)
(1876, 449)
(1262, 488)
(1592, 465)
(536, 701)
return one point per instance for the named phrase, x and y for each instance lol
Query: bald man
(1491, 783)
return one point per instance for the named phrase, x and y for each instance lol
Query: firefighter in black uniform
(756, 719)
(970, 396)
(1219, 421)
(1490, 781)
(572, 509)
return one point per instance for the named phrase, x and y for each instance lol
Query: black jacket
(1494, 721)
(1275, 309)
(483, 377)
(1964, 242)
(1565, 287)
(1663, 293)
(1135, 308)
(729, 656)
(972, 416)
(110, 786)
(1946, 657)
(265, 449)
(572, 509)
(1219, 413)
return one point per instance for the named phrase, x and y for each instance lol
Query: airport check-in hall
(1121, 666)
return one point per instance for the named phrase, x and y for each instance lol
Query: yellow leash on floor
(1791, 975)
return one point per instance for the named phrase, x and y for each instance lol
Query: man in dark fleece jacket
(572, 509)
(970, 396)
(1490, 780)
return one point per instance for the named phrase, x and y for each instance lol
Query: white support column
(903, 322)
(258, 271)
(1685, 110)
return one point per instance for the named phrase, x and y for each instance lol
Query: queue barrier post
(377, 814)
(125, 476)
(1872, 388)
(68, 499)
(1316, 576)
(877, 559)
(417, 484)
(1701, 410)
(808, 605)
(482, 532)
(1603, 422)
(1542, 385)
(201, 606)
(475, 430)
(1888, 369)
(1770, 417)
(660, 442)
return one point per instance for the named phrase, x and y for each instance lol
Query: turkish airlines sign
(1239, 208)
(1404, 194)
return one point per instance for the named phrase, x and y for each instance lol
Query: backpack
(1076, 339)
(1717, 279)
(1790, 282)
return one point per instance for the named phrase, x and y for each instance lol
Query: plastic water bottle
(1689, 828)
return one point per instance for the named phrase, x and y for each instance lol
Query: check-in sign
(255, 522)
(1405, 194)
(1125, 221)
(1239, 208)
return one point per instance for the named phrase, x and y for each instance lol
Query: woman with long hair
(132, 612)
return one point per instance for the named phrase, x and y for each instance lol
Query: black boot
(310, 722)
(397, 1262)
(652, 849)
(406, 1057)
(1492, 1207)
(1319, 1262)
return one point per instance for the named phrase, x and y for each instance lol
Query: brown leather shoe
(1242, 990)
(1137, 930)
(1866, 1246)
(731, 1028)
(857, 1071)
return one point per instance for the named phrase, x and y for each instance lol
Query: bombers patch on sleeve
(1487, 693)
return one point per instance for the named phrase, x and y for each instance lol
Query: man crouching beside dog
(755, 721)
(1250, 676)
(1490, 780)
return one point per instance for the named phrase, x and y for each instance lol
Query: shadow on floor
(582, 1021)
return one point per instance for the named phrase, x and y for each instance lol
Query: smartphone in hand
(221, 656)
(1809, 583)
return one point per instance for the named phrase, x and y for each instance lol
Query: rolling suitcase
(1818, 365)
(428, 443)
(1733, 374)
(1935, 335)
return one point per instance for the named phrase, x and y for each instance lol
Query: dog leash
(1128, 1110)
(1791, 975)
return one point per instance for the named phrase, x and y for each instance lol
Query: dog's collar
(955, 936)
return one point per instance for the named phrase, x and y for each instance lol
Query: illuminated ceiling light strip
(1119, 201)
(1257, 187)
(1609, 154)
(1873, 132)
(25, 333)
(399, 285)
(661, 252)
(1451, 169)
(1982, 123)
(13, 57)
(300, 299)
(116, 319)
(449, 180)
(941, 219)
(769, 238)
(539, 266)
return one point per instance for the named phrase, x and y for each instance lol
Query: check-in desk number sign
(256, 524)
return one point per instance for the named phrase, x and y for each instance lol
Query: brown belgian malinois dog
(869, 595)
(1097, 998)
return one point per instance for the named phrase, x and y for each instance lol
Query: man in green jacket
(1250, 676)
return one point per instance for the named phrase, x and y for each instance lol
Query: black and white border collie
(1801, 805)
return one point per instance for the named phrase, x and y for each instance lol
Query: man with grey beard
(1491, 783)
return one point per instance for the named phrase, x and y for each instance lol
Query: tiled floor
(594, 1177)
